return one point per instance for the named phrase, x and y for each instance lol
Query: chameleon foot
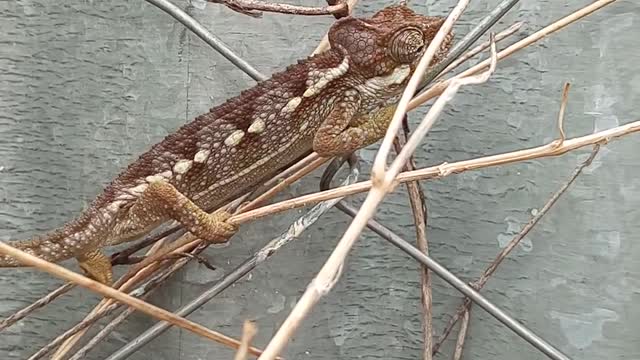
(213, 227)
(96, 266)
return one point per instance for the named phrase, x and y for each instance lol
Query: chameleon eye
(407, 44)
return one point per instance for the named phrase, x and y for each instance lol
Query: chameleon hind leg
(97, 266)
(162, 200)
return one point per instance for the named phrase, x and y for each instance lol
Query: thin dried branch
(146, 290)
(107, 291)
(79, 327)
(330, 272)
(385, 179)
(249, 331)
(438, 88)
(462, 335)
(42, 302)
(480, 48)
(419, 210)
(254, 8)
(380, 161)
(281, 185)
(491, 269)
(446, 169)
(563, 107)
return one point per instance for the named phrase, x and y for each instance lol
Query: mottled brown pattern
(332, 103)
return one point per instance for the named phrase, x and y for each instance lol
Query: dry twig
(330, 272)
(249, 330)
(446, 169)
(254, 8)
(107, 291)
(480, 48)
(419, 210)
(438, 88)
(491, 269)
(462, 335)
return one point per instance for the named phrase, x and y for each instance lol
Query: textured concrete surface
(85, 86)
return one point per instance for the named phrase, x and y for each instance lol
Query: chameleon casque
(332, 103)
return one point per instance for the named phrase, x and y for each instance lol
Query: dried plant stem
(438, 88)
(480, 48)
(419, 210)
(491, 269)
(316, 163)
(42, 302)
(68, 344)
(462, 335)
(446, 169)
(330, 272)
(563, 107)
(379, 163)
(249, 331)
(254, 8)
(146, 290)
(85, 323)
(107, 291)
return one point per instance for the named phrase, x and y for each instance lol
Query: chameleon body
(333, 103)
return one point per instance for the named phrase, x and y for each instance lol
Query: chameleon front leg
(342, 132)
(161, 200)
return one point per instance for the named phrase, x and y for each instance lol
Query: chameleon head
(387, 47)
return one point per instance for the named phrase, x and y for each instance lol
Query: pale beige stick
(438, 88)
(420, 217)
(104, 290)
(563, 107)
(380, 161)
(66, 346)
(388, 177)
(330, 272)
(462, 335)
(249, 331)
(316, 163)
(445, 169)
(480, 48)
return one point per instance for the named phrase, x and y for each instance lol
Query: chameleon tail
(71, 240)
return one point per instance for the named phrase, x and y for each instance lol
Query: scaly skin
(333, 103)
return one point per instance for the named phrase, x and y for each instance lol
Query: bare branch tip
(563, 106)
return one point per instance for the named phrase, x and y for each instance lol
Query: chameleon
(332, 103)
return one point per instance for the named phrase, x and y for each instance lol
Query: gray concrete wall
(85, 86)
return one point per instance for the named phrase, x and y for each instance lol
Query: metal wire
(204, 34)
(528, 335)
(294, 231)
